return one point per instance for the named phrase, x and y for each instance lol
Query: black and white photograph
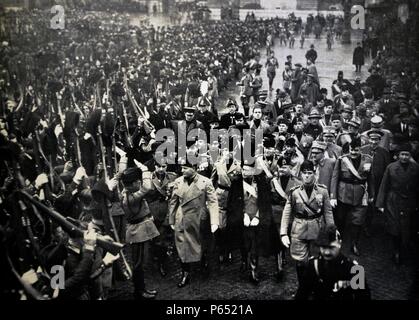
(176, 152)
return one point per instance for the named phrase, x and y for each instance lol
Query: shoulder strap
(279, 189)
(316, 268)
(351, 167)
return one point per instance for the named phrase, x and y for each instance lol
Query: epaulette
(294, 188)
(172, 175)
(367, 156)
(322, 186)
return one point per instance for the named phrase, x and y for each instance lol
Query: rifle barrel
(74, 231)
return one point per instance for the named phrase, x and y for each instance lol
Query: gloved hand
(109, 259)
(80, 174)
(41, 180)
(112, 184)
(246, 220)
(89, 238)
(214, 228)
(333, 203)
(286, 241)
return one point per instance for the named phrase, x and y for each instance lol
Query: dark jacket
(321, 278)
(358, 57)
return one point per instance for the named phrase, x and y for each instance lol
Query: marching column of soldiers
(87, 185)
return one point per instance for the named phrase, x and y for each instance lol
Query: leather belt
(306, 217)
(350, 181)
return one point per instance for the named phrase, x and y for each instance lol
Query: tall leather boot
(243, 264)
(301, 268)
(253, 270)
(279, 264)
(397, 246)
(186, 276)
(140, 292)
(205, 265)
(161, 255)
(355, 231)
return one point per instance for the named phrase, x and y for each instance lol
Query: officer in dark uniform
(332, 276)
(140, 226)
(157, 199)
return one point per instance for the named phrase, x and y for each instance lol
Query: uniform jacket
(380, 160)
(347, 188)
(297, 80)
(333, 151)
(222, 178)
(386, 139)
(306, 229)
(158, 197)
(140, 226)
(278, 200)
(188, 205)
(324, 172)
(399, 189)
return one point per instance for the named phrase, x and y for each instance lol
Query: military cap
(376, 121)
(261, 104)
(329, 131)
(287, 104)
(319, 145)
(284, 161)
(131, 175)
(298, 65)
(307, 165)
(328, 234)
(335, 116)
(314, 113)
(375, 133)
(189, 109)
(355, 143)
(290, 142)
(101, 188)
(354, 122)
(404, 147)
(282, 121)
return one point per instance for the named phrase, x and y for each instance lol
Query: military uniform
(157, 199)
(330, 280)
(308, 216)
(351, 186)
(140, 226)
(280, 189)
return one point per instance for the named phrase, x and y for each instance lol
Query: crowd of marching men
(86, 185)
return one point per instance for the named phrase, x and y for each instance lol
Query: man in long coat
(398, 197)
(193, 197)
(358, 57)
(296, 81)
(380, 160)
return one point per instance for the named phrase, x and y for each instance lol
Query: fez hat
(131, 175)
(307, 165)
(328, 234)
(355, 143)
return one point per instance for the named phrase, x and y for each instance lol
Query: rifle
(72, 229)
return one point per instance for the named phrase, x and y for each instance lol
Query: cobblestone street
(386, 280)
